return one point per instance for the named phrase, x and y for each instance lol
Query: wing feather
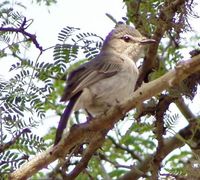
(91, 72)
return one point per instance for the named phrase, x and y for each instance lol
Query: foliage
(20, 96)
(36, 84)
(46, 2)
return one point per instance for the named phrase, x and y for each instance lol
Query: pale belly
(107, 93)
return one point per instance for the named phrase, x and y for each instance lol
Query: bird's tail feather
(65, 116)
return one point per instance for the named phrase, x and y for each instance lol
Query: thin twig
(22, 30)
(119, 146)
(5, 146)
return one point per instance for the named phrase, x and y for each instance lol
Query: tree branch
(7, 145)
(85, 132)
(124, 148)
(163, 23)
(170, 145)
(143, 167)
(161, 108)
(21, 30)
(94, 144)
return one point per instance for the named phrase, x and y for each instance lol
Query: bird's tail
(65, 116)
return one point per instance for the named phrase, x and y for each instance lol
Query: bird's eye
(126, 38)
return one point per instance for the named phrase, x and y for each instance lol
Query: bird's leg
(76, 113)
(126, 115)
(89, 116)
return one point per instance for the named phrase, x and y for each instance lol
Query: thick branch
(86, 131)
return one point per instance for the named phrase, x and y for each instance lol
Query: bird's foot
(89, 118)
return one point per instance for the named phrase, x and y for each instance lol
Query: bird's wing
(103, 66)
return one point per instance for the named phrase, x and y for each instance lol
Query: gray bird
(107, 79)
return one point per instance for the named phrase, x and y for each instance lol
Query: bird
(106, 80)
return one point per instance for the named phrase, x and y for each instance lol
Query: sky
(89, 15)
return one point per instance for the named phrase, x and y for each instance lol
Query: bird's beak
(148, 41)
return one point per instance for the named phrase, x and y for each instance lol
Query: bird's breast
(108, 92)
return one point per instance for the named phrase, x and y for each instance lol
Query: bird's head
(126, 40)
